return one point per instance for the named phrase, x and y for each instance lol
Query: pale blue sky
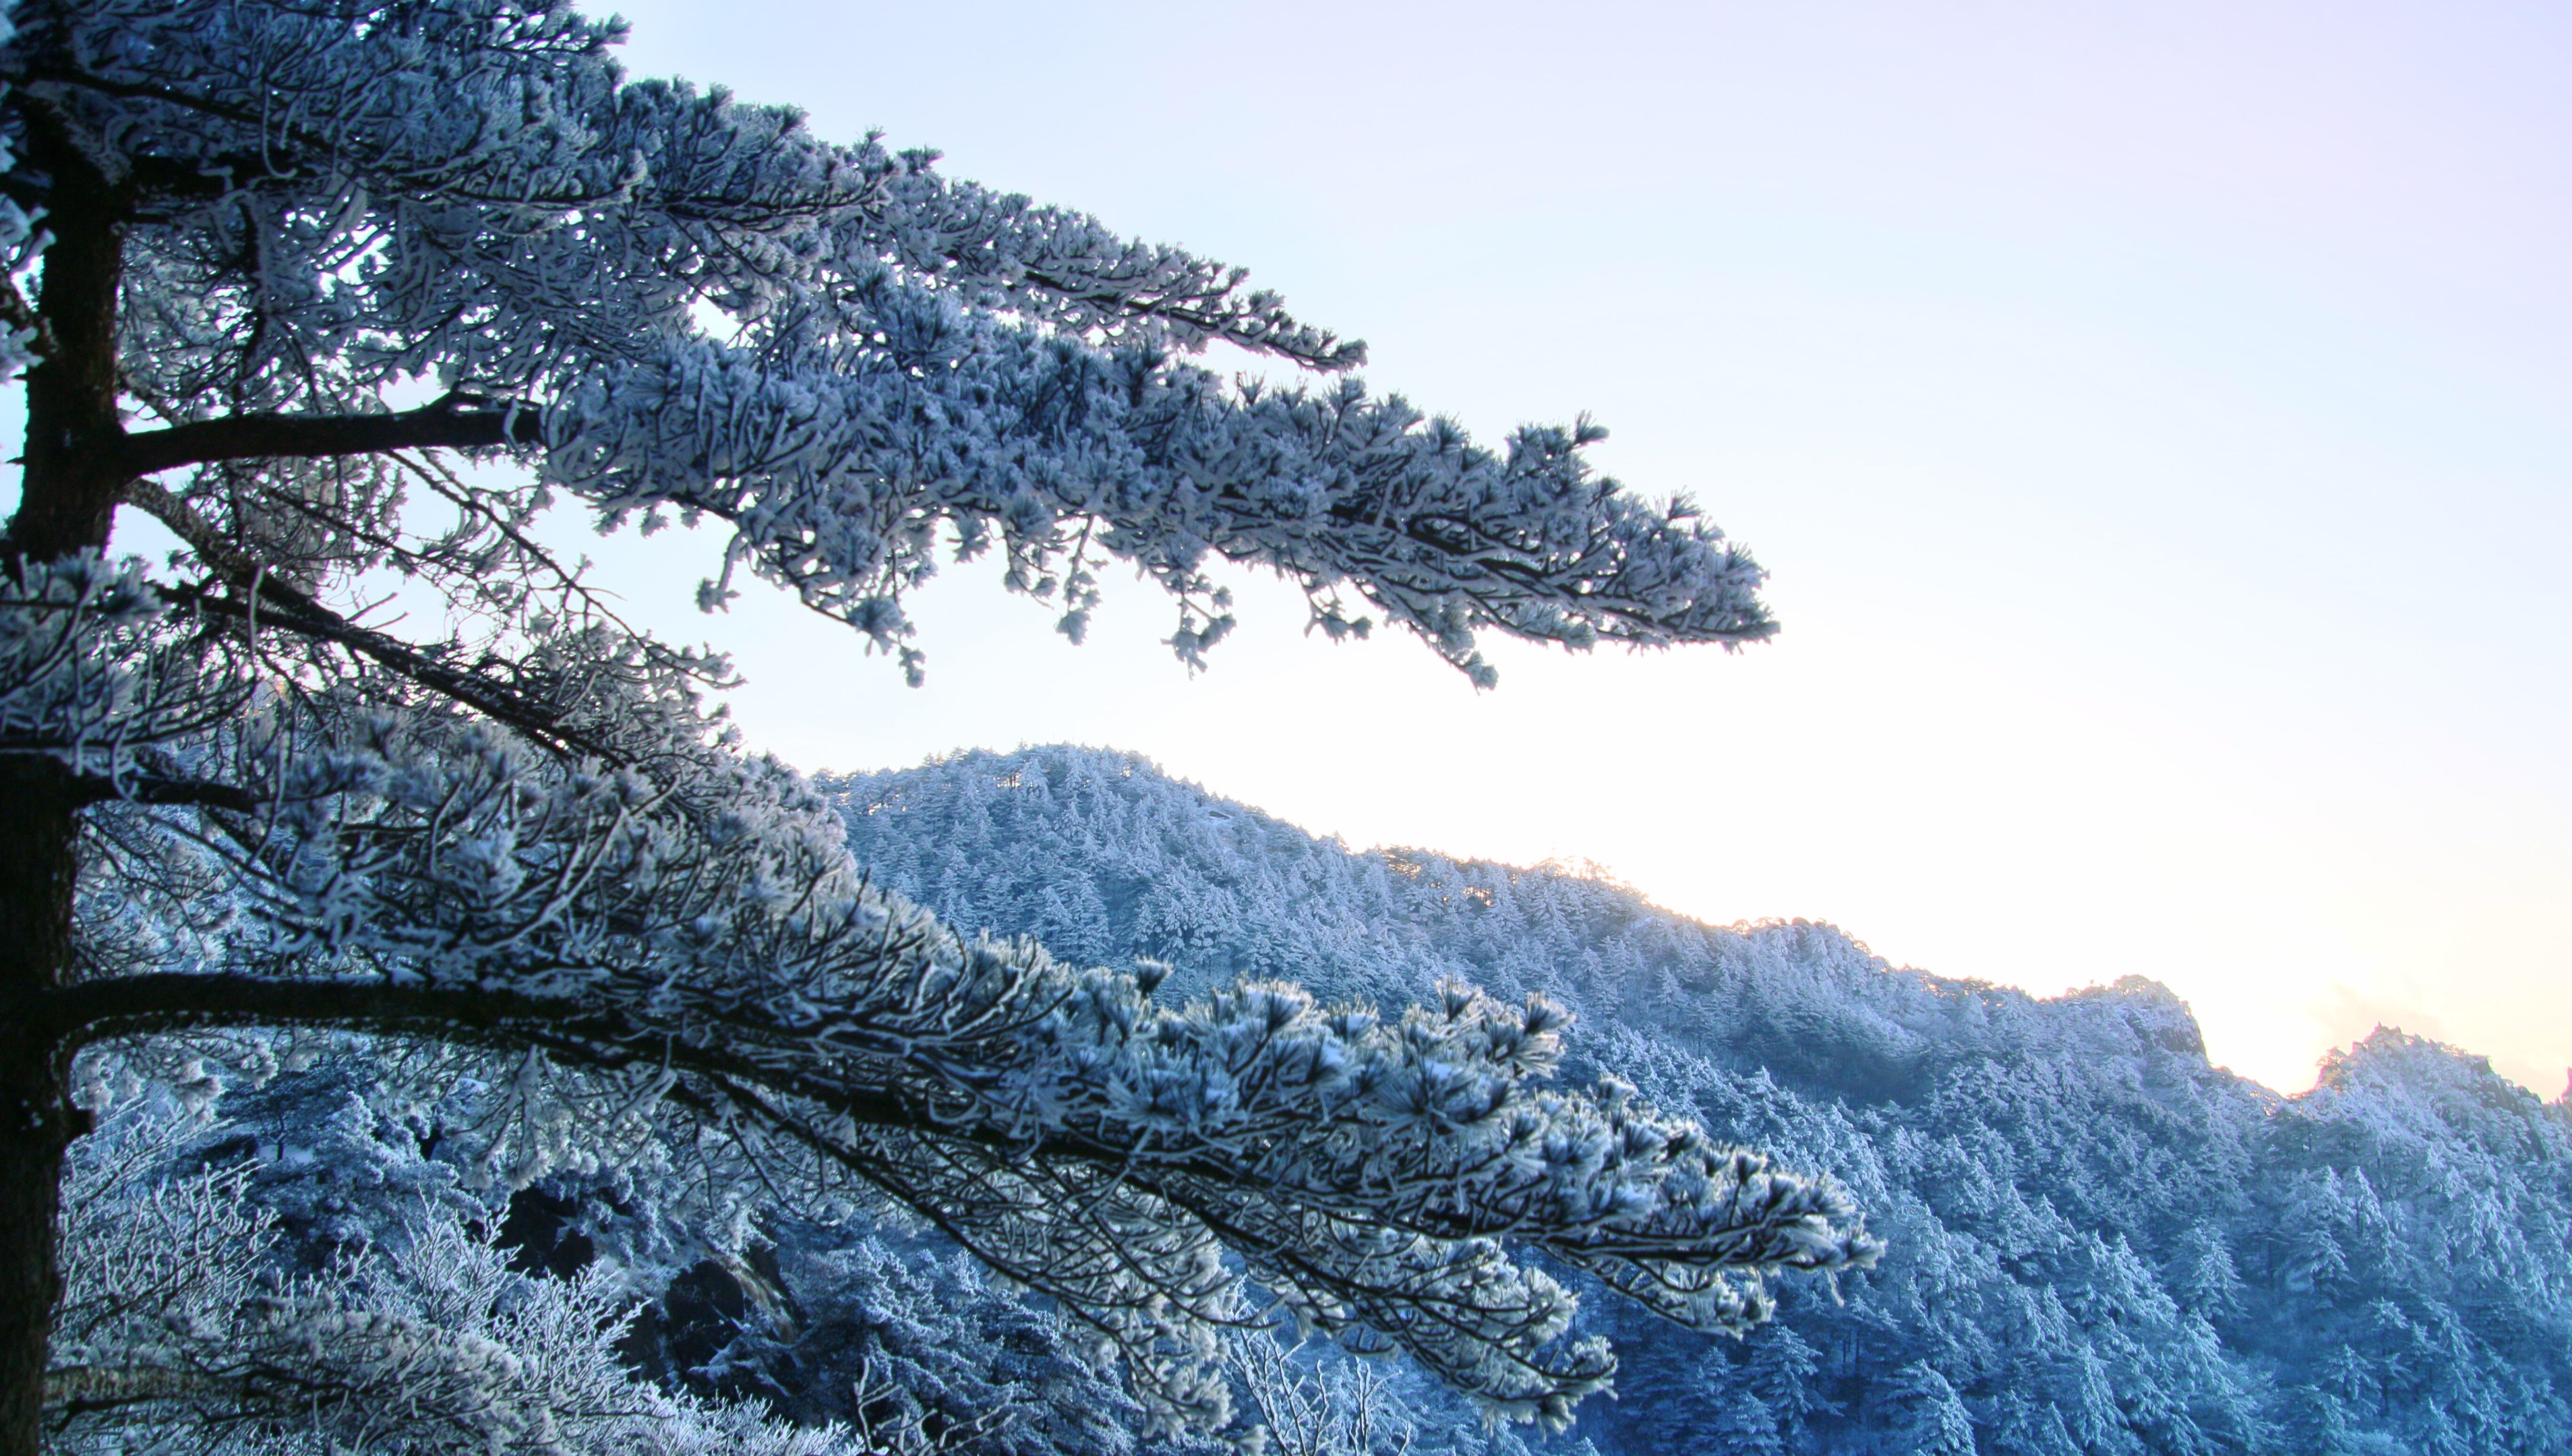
(2158, 419)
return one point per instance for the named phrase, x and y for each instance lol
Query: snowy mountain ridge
(2100, 1241)
(1114, 859)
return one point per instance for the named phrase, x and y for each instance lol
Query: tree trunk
(73, 429)
(37, 1122)
(67, 499)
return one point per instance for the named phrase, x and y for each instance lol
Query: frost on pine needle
(698, 943)
(181, 1330)
(475, 197)
(371, 292)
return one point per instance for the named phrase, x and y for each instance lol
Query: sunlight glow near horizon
(2159, 424)
(2156, 421)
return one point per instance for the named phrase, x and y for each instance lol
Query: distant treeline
(2099, 1244)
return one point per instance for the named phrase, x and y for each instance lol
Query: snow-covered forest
(2095, 1241)
(426, 1026)
(2098, 1242)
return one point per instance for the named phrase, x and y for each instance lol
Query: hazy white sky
(2157, 419)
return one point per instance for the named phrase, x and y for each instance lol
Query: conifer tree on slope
(254, 236)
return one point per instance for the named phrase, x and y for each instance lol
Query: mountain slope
(2100, 1244)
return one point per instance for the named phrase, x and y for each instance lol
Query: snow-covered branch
(839, 472)
(831, 346)
(424, 876)
(523, 838)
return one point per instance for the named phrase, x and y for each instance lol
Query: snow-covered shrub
(188, 1324)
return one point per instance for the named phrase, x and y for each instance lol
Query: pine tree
(297, 261)
(1935, 1421)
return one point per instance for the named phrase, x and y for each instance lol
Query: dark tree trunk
(69, 495)
(74, 436)
(36, 1120)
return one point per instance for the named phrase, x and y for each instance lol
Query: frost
(178, 1331)
(366, 769)
(2096, 1240)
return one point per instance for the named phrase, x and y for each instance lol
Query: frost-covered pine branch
(1343, 1409)
(471, 194)
(708, 942)
(524, 845)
